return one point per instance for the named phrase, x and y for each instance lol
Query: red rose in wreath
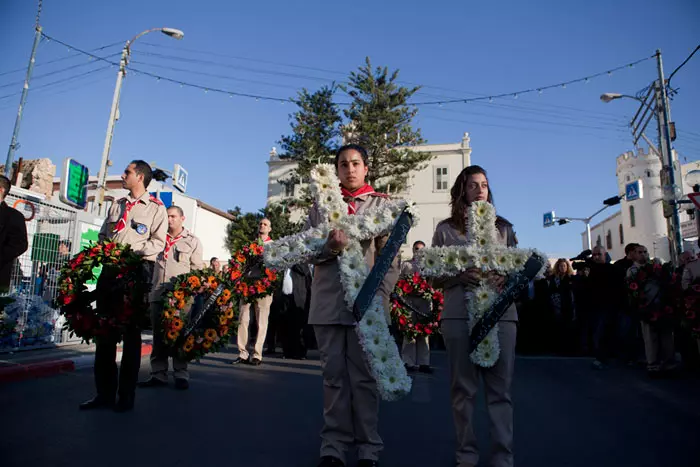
(416, 286)
(250, 278)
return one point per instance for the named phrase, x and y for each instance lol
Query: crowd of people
(583, 308)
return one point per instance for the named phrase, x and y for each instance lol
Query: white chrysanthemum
(430, 262)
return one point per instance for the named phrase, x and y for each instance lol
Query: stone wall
(37, 176)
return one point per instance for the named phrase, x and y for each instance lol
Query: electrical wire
(63, 80)
(54, 72)
(668, 80)
(60, 59)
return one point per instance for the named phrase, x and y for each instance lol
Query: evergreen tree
(380, 120)
(244, 228)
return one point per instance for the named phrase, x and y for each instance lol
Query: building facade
(642, 221)
(428, 188)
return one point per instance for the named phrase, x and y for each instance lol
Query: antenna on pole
(38, 14)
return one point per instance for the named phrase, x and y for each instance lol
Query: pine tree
(380, 120)
(244, 228)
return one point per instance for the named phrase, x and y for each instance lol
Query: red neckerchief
(350, 196)
(169, 242)
(121, 225)
(267, 239)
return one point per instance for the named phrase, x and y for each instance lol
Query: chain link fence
(31, 321)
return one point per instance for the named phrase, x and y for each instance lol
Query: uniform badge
(141, 229)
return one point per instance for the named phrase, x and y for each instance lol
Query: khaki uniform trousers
(350, 396)
(416, 352)
(464, 382)
(159, 354)
(658, 346)
(262, 316)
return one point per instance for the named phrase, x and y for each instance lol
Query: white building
(429, 188)
(205, 221)
(642, 221)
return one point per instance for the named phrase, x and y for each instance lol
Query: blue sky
(556, 150)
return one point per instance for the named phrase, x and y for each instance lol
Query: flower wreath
(416, 286)
(242, 264)
(652, 309)
(118, 262)
(691, 308)
(187, 340)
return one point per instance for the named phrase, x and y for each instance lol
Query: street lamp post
(126, 52)
(665, 152)
(587, 220)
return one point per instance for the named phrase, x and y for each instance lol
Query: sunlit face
(130, 178)
(477, 188)
(562, 267)
(215, 265)
(264, 227)
(352, 170)
(599, 255)
(175, 220)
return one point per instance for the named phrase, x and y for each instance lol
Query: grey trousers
(159, 354)
(464, 382)
(350, 396)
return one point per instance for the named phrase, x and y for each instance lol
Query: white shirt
(287, 285)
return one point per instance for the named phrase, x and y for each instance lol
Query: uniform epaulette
(155, 200)
(122, 200)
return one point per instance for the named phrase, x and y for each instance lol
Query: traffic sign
(74, 181)
(633, 190)
(695, 198)
(180, 178)
(548, 219)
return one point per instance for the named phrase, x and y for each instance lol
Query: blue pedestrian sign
(633, 190)
(548, 219)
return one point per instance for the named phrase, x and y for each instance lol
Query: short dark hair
(418, 242)
(142, 168)
(5, 185)
(213, 258)
(352, 147)
(630, 247)
(178, 209)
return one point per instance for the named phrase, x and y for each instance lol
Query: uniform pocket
(183, 253)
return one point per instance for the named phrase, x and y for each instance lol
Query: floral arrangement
(483, 252)
(651, 290)
(691, 308)
(241, 265)
(190, 341)
(122, 271)
(379, 347)
(416, 286)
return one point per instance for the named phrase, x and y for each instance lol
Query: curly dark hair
(458, 194)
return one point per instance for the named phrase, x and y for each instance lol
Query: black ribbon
(382, 265)
(207, 305)
(515, 285)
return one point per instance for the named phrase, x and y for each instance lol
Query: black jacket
(13, 241)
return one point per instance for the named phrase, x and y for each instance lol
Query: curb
(21, 372)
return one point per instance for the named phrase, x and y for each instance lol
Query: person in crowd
(141, 221)
(629, 338)
(262, 311)
(606, 295)
(215, 264)
(13, 236)
(295, 299)
(182, 253)
(472, 185)
(562, 308)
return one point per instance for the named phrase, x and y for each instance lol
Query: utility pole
(671, 189)
(14, 144)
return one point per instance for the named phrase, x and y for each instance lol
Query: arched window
(633, 220)
(608, 240)
(622, 235)
(598, 242)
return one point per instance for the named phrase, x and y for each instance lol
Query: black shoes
(330, 461)
(256, 362)
(426, 369)
(153, 383)
(125, 404)
(367, 463)
(240, 361)
(97, 403)
(181, 383)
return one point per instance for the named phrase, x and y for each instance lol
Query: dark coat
(13, 241)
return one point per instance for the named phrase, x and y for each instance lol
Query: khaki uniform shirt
(327, 297)
(455, 307)
(146, 225)
(184, 256)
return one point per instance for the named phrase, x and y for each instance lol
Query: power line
(63, 80)
(54, 72)
(668, 80)
(17, 70)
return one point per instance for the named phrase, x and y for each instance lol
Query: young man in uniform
(416, 353)
(182, 254)
(139, 220)
(350, 396)
(262, 312)
(13, 236)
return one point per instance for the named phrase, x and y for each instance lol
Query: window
(441, 179)
(289, 189)
(608, 240)
(598, 242)
(648, 173)
(633, 221)
(627, 178)
(622, 235)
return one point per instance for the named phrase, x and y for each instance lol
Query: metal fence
(31, 321)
